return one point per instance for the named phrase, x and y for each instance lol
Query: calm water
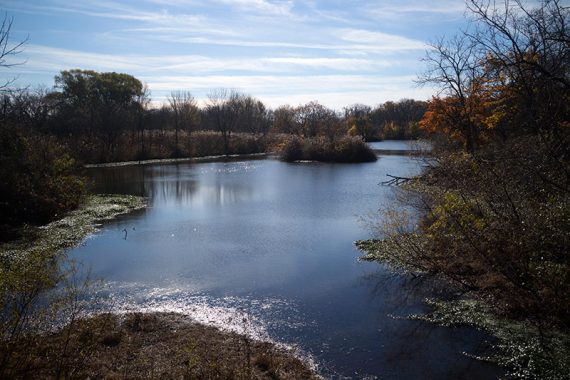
(398, 145)
(274, 241)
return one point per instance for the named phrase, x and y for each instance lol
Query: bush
(38, 181)
(346, 149)
(292, 150)
(497, 223)
(207, 143)
(246, 144)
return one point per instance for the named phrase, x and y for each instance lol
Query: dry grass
(148, 346)
(160, 144)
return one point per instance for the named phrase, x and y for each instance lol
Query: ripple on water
(243, 315)
(249, 316)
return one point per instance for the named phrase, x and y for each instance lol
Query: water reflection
(400, 145)
(118, 180)
(178, 185)
(274, 241)
(222, 194)
(405, 345)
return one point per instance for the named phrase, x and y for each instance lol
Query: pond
(398, 145)
(274, 242)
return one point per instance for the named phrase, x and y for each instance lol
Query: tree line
(109, 117)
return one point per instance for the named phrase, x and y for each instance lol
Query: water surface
(398, 145)
(274, 241)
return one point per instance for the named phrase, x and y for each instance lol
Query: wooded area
(496, 193)
(105, 117)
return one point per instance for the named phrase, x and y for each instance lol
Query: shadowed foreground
(153, 346)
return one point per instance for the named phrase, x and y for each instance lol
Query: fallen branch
(395, 180)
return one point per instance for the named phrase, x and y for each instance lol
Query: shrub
(346, 149)
(497, 223)
(292, 150)
(38, 181)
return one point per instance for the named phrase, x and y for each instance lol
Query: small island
(343, 150)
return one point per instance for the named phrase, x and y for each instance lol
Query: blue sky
(281, 51)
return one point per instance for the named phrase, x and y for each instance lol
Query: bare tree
(312, 118)
(528, 47)
(284, 120)
(454, 67)
(185, 111)
(508, 46)
(143, 102)
(254, 117)
(224, 110)
(8, 49)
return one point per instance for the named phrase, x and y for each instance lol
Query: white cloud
(118, 10)
(110, 9)
(339, 100)
(335, 91)
(398, 10)
(379, 41)
(53, 60)
(282, 8)
(264, 84)
(352, 42)
(101, 9)
(176, 26)
(348, 64)
(49, 59)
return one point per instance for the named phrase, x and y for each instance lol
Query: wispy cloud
(108, 9)
(49, 59)
(334, 91)
(265, 83)
(282, 8)
(161, 16)
(399, 10)
(273, 79)
(346, 41)
(347, 64)
(103, 9)
(379, 41)
(170, 26)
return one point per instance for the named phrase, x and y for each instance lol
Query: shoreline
(154, 345)
(398, 152)
(135, 345)
(69, 231)
(232, 157)
(518, 341)
(179, 160)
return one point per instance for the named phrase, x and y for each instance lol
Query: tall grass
(159, 144)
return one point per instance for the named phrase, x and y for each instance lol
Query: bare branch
(8, 50)
(395, 180)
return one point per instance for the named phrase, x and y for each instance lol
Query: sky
(337, 52)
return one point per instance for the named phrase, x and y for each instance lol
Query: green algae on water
(524, 349)
(74, 227)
